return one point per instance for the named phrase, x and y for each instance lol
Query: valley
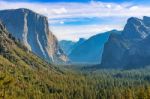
(35, 65)
(23, 75)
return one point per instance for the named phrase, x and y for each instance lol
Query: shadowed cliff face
(90, 51)
(32, 30)
(136, 29)
(131, 48)
(68, 46)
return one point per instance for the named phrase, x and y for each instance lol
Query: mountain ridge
(90, 50)
(68, 45)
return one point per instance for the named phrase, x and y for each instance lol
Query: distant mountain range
(32, 30)
(113, 49)
(67, 46)
(130, 49)
(85, 51)
(117, 49)
(90, 51)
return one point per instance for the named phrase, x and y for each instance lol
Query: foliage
(23, 75)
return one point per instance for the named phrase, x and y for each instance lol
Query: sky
(74, 19)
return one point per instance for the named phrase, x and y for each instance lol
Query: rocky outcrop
(130, 49)
(32, 30)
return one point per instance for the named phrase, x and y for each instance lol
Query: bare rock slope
(32, 30)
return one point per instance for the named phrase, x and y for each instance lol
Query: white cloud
(74, 10)
(60, 12)
(84, 31)
(134, 8)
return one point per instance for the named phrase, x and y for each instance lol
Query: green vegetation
(33, 83)
(25, 76)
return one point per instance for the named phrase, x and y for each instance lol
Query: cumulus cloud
(59, 13)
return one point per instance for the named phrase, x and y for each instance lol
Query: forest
(67, 83)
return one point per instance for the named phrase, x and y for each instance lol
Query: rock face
(90, 51)
(130, 49)
(32, 30)
(68, 46)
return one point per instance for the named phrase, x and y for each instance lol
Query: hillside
(21, 71)
(23, 75)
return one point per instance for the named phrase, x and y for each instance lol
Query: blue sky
(72, 19)
(84, 1)
(117, 1)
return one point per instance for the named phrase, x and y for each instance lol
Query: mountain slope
(68, 46)
(130, 49)
(23, 75)
(20, 70)
(90, 51)
(32, 30)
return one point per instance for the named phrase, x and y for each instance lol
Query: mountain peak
(22, 10)
(136, 28)
(134, 20)
(25, 10)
